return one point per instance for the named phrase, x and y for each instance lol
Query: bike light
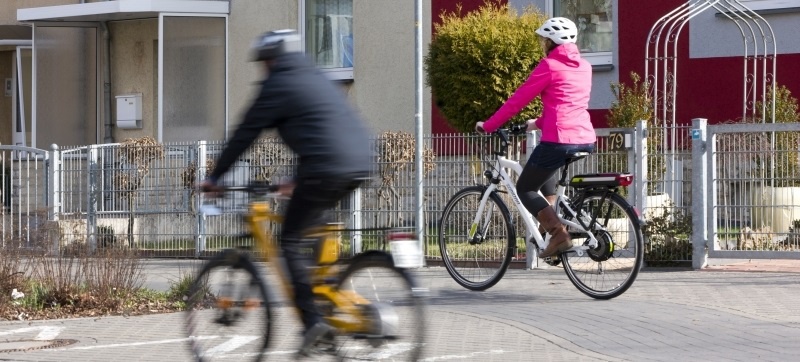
(625, 179)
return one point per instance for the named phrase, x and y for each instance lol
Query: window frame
(771, 6)
(338, 74)
(596, 58)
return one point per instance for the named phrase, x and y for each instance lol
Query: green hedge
(477, 60)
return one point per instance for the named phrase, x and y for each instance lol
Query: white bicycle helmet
(559, 30)
(274, 43)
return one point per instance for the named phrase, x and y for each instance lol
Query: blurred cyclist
(564, 80)
(334, 148)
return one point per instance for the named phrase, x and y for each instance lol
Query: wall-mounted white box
(129, 111)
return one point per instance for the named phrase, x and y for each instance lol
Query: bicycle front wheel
(228, 315)
(478, 262)
(394, 308)
(608, 270)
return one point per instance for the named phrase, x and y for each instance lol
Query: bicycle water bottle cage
(601, 180)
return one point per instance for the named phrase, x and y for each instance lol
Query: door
(21, 85)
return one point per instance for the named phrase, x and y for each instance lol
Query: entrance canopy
(171, 54)
(120, 10)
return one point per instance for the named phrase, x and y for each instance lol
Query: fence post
(355, 221)
(91, 207)
(640, 153)
(532, 252)
(199, 175)
(700, 190)
(54, 193)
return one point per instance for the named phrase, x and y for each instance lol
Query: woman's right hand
(531, 123)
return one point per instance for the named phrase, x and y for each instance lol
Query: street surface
(741, 312)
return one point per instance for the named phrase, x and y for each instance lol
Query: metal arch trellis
(661, 60)
(759, 56)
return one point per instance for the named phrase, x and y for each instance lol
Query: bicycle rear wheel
(228, 314)
(395, 309)
(480, 262)
(611, 268)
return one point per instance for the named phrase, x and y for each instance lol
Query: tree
(477, 60)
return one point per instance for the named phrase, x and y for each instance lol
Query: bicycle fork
(474, 236)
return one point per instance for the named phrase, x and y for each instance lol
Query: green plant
(668, 233)
(477, 60)
(632, 103)
(780, 164)
(179, 289)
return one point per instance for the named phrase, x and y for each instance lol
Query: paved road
(717, 314)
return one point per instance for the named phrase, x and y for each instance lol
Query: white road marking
(46, 333)
(230, 345)
(132, 344)
(463, 356)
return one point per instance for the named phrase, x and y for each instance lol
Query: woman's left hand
(479, 128)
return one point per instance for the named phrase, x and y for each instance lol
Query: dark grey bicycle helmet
(274, 43)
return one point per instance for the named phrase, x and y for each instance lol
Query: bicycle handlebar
(503, 133)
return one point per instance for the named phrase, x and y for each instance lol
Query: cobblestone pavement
(717, 314)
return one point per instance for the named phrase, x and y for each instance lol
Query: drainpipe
(109, 137)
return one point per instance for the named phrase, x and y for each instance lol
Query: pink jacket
(564, 80)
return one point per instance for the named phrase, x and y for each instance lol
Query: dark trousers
(311, 199)
(541, 173)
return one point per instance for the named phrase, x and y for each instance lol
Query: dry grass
(79, 283)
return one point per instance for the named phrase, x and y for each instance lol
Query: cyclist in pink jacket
(564, 81)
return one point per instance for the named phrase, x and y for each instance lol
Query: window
(594, 20)
(328, 35)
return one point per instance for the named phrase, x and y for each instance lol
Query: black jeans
(312, 197)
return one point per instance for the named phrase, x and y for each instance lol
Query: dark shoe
(319, 334)
(560, 241)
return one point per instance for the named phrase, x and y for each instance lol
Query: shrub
(105, 236)
(477, 60)
(633, 103)
(668, 234)
(396, 153)
(784, 149)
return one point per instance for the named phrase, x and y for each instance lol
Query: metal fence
(142, 195)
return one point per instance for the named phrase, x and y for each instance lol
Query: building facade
(710, 51)
(88, 71)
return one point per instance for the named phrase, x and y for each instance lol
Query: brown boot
(560, 240)
(551, 200)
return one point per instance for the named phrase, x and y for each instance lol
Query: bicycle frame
(532, 226)
(347, 301)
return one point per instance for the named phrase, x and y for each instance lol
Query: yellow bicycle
(371, 299)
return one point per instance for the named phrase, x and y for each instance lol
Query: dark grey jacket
(313, 118)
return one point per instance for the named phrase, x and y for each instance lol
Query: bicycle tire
(228, 312)
(397, 303)
(476, 266)
(610, 269)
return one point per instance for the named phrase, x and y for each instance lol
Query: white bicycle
(478, 236)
